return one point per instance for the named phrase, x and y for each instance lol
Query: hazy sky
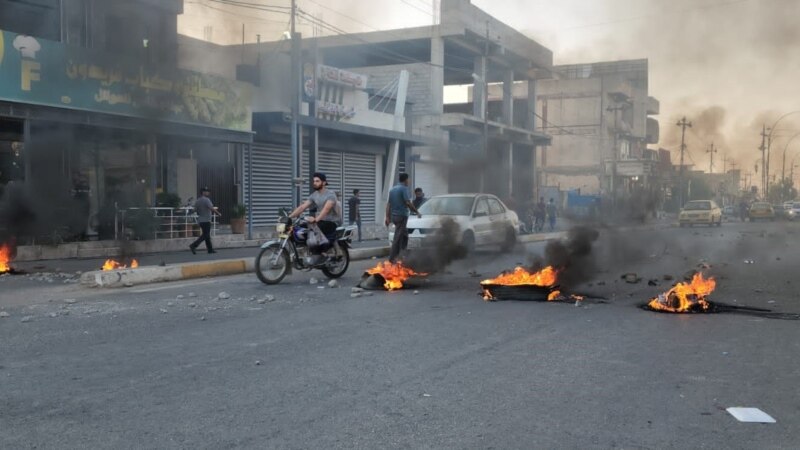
(728, 65)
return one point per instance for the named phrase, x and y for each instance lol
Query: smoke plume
(572, 257)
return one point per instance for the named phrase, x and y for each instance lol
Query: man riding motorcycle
(324, 201)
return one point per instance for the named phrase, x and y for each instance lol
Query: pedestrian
(419, 198)
(324, 202)
(204, 209)
(354, 211)
(551, 214)
(397, 213)
(539, 212)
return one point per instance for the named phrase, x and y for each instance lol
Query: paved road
(175, 366)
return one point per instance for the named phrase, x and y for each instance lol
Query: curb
(159, 274)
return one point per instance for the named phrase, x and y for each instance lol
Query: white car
(482, 218)
(794, 212)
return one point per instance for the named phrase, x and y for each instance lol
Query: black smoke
(572, 257)
(440, 250)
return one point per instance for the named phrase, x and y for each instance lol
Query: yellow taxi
(761, 210)
(705, 212)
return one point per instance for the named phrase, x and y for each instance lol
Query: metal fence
(161, 223)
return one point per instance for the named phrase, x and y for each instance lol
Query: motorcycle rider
(326, 217)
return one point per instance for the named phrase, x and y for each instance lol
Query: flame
(546, 277)
(684, 297)
(5, 258)
(110, 264)
(394, 274)
(553, 296)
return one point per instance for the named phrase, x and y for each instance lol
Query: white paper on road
(753, 415)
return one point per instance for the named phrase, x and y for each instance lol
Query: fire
(685, 297)
(110, 264)
(394, 274)
(546, 277)
(553, 296)
(5, 258)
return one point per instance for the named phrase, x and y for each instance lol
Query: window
(495, 207)
(37, 18)
(482, 209)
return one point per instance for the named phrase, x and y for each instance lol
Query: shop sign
(335, 109)
(38, 71)
(341, 77)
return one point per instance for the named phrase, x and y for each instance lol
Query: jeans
(400, 241)
(357, 222)
(205, 227)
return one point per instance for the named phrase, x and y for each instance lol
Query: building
(598, 115)
(97, 117)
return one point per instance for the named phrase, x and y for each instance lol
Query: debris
(224, 295)
(752, 415)
(356, 290)
(203, 318)
(258, 362)
(170, 304)
(426, 395)
(749, 261)
(179, 297)
(4, 314)
(163, 311)
(601, 283)
(266, 298)
(128, 284)
(368, 294)
(758, 291)
(653, 282)
(52, 314)
(416, 292)
(26, 319)
(473, 274)
(320, 287)
(192, 305)
(333, 284)
(668, 277)
(631, 278)
(70, 301)
(192, 294)
(355, 295)
(577, 303)
(313, 281)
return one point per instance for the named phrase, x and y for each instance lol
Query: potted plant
(237, 218)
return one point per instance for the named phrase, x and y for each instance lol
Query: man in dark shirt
(204, 209)
(419, 198)
(354, 211)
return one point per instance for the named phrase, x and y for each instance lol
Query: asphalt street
(230, 362)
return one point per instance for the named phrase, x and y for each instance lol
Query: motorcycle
(277, 257)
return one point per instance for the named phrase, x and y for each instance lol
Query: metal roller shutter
(272, 182)
(359, 173)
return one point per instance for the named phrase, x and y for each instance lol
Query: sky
(729, 66)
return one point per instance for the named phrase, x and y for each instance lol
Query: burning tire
(337, 268)
(272, 264)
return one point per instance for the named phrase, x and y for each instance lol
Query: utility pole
(615, 155)
(711, 150)
(295, 106)
(683, 124)
(763, 149)
(485, 100)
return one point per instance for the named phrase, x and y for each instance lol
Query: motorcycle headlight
(280, 228)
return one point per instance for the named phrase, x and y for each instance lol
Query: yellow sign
(2, 48)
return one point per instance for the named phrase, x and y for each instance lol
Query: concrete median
(186, 271)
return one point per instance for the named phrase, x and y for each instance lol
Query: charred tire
(468, 241)
(341, 270)
(509, 241)
(262, 263)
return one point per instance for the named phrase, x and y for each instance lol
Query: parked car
(794, 212)
(780, 212)
(700, 212)
(482, 218)
(761, 210)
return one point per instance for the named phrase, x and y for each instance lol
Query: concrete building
(467, 147)
(96, 116)
(599, 117)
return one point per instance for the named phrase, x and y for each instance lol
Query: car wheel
(509, 241)
(468, 241)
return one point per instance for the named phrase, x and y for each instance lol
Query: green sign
(42, 72)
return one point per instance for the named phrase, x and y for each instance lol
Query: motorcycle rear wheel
(335, 269)
(272, 273)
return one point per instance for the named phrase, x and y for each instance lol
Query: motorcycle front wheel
(338, 266)
(272, 264)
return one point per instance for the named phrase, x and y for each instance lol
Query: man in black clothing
(419, 198)
(354, 211)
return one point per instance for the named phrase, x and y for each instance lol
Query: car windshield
(761, 206)
(697, 206)
(447, 206)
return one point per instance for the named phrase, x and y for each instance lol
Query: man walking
(204, 209)
(551, 214)
(354, 211)
(419, 198)
(397, 213)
